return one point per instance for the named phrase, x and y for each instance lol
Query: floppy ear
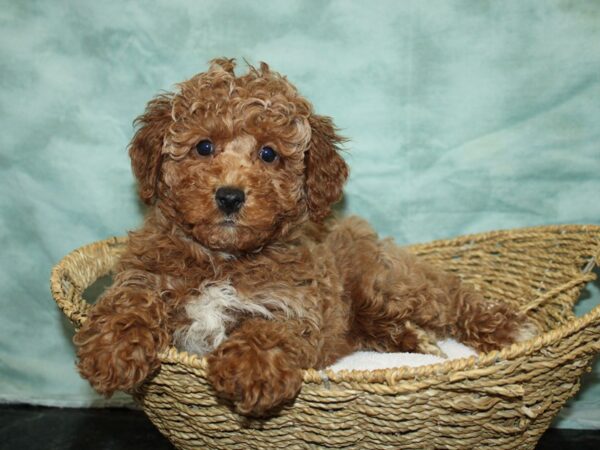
(325, 169)
(146, 146)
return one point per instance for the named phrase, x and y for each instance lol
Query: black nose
(229, 200)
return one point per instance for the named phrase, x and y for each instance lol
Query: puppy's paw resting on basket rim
(256, 371)
(119, 351)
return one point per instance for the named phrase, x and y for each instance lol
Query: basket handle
(78, 270)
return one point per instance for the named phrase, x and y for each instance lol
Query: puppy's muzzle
(229, 199)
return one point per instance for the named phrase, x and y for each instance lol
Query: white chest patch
(215, 309)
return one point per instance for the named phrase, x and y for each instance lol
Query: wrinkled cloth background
(464, 116)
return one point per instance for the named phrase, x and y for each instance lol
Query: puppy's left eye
(267, 154)
(205, 147)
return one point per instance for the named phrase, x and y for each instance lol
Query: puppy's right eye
(205, 148)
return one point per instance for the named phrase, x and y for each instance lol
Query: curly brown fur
(272, 288)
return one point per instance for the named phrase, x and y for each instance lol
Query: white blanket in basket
(376, 360)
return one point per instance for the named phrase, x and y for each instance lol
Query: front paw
(116, 360)
(256, 380)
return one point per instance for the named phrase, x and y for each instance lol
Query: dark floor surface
(27, 427)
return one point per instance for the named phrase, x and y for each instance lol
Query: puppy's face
(232, 159)
(234, 166)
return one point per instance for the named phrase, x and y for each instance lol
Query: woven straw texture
(501, 400)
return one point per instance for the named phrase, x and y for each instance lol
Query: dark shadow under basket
(500, 400)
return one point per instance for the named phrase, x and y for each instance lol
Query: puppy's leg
(259, 367)
(379, 319)
(119, 342)
(389, 287)
(482, 324)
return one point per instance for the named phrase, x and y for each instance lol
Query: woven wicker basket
(501, 400)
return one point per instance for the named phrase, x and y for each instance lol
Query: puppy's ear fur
(326, 171)
(146, 146)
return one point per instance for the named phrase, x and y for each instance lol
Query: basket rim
(454, 369)
(473, 238)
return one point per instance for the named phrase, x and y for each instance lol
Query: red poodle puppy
(236, 259)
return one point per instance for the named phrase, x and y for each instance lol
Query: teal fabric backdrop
(464, 116)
